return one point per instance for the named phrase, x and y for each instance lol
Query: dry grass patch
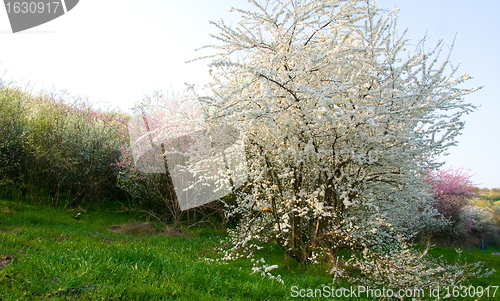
(147, 229)
(135, 229)
(7, 211)
(169, 231)
(5, 260)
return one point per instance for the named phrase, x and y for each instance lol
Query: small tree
(342, 117)
(148, 179)
(169, 138)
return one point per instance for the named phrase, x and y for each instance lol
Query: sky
(118, 51)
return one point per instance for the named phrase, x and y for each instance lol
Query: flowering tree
(452, 189)
(341, 117)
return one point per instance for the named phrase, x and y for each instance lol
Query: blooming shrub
(476, 223)
(342, 118)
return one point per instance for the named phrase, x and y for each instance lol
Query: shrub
(56, 145)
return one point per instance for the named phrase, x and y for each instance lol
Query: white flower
(347, 203)
(269, 268)
(256, 269)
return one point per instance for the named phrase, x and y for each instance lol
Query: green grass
(59, 257)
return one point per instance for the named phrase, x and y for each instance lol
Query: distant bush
(13, 115)
(454, 194)
(491, 195)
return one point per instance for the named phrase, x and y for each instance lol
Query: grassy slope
(59, 257)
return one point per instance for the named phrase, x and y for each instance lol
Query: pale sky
(115, 51)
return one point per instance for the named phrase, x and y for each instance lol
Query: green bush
(55, 147)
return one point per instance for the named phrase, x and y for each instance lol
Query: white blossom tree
(342, 117)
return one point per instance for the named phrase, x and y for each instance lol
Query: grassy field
(51, 254)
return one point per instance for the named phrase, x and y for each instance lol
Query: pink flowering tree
(452, 189)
